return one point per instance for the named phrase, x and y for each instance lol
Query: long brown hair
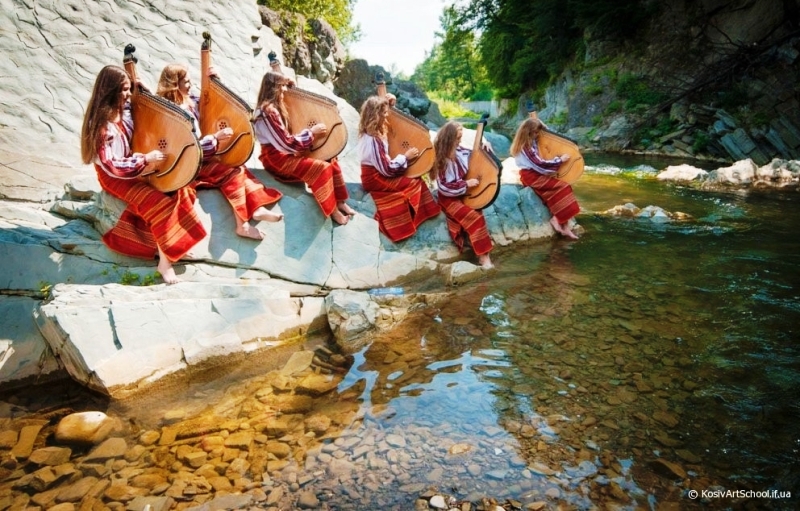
(271, 94)
(169, 82)
(445, 145)
(373, 120)
(103, 106)
(527, 132)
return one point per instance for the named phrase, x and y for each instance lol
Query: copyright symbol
(692, 494)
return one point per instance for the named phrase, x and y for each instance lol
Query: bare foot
(339, 217)
(556, 226)
(344, 208)
(262, 214)
(246, 230)
(166, 270)
(485, 262)
(569, 234)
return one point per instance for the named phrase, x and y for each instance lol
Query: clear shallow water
(620, 371)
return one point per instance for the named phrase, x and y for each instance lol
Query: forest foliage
(523, 44)
(338, 13)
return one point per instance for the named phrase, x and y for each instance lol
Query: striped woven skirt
(403, 203)
(557, 195)
(151, 218)
(465, 222)
(324, 178)
(239, 186)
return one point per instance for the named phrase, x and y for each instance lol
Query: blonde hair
(169, 82)
(444, 146)
(271, 94)
(373, 121)
(527, 132)
(103, 106)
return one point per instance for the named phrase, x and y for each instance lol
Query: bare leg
(262, 214)
(344, 208)
(485, 261)
(339, 217)
(165, 269)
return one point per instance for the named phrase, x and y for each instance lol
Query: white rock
(741, 172)
(112, 337)
(683, 172)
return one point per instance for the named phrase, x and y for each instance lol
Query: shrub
(700, 142)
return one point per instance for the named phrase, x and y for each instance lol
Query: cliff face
(714, 77)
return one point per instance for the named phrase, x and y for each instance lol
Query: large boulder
(78, 306)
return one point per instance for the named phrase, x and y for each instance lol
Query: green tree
(525, 43)
(336, 12)
(453, 67)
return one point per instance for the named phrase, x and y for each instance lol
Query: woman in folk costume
(450, 170)
(540, 175)
(403, 203)
(282, 151)
(246, 195)
(153, 223)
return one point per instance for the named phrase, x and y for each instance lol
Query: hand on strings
(412, 153)
(151, 160)
(391, 98)
(471, 183)
(319, 130)
(224, 134)
(564, 157)
(212, 73)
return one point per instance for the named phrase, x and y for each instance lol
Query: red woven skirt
(324, 178)
(463, 221)
(403, 203)
(557, 195)
(239, 186)
(151, 218)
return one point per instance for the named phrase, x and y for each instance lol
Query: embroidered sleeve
(270, 129)
(375, 153)
(114, 156)
(451, 181)
(530, 158)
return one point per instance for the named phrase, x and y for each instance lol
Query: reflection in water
(619, 371)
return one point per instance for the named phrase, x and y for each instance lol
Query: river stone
(279, 449)
(8, 439)
(340, 468)
(155, 503)
(318, 423)
(111, 448)
(76, 491)
(317, 384)
(51, 456)
(26, 439)
(666, 418)
(461, 272)
(307, 500)
(668, 469)
(395, 440)
(86, 428)
(741, 172)
(298, 362)
(350, 314)
(240, 440)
